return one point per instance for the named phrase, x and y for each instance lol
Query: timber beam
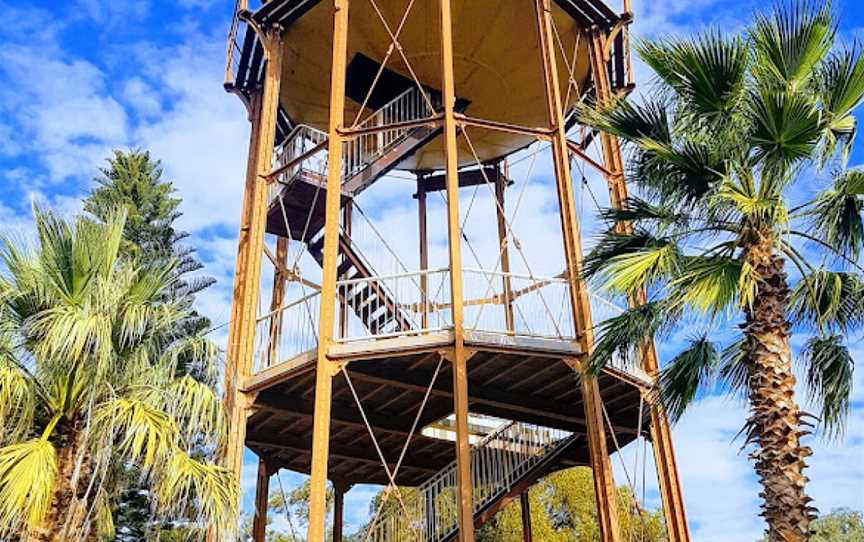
(294, 445)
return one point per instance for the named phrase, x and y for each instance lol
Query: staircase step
(344, 267)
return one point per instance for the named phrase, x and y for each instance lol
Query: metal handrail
(498, 462)
(233, 44)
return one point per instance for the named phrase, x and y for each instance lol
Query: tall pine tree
(133, 180)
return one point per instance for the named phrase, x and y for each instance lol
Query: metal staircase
(503, 464)
(297, 195)
(370, 300)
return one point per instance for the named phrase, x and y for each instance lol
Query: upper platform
(498, 66)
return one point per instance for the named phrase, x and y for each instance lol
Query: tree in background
(134, 180)
(839, 526)
(88, 380)
(731, 154)
(563, 509)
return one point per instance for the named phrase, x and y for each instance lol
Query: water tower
(442, 367)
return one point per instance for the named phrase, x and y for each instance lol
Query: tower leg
(339, 491)
(604, 485)
(424, 250)
(241, 333)
(503, 248)
(661, 434)
(525, 505)
(276, 300)
(262, 494)
(324, 374)
(459, 359)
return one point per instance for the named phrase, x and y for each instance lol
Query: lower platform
(510, 379)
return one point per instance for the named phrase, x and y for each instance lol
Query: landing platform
(509, 378)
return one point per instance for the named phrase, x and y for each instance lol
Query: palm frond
(17, 401)
(829, 368)
(828, 300)
(681, 175)
(146, 433)
(740, 199)
(841, 88)
(707, 72)
(211, 490)
(787, 126)
(621, 335)
(197, 409)
(792, 40)
(835, 214)
(27, 474)
(632, 122)
(638, 212)
(688, 372)
(713, 284)
(625, 262)
(735, 368)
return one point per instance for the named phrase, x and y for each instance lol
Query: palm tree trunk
(54, 528)
(774, 424)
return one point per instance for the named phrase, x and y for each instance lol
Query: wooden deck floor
(508, 381)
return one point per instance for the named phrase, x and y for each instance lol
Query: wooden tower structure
(345, 362)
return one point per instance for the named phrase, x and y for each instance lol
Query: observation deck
(406, 355)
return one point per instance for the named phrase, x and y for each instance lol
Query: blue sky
(81, 77)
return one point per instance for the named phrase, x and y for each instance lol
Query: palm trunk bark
(54, 528)
(775, 424)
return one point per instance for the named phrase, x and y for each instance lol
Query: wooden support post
(276, 300)
(465, 505)
(247, 273)
(339, 491)
(661, 434)
(503, 242)
(424, 249)
(604, 485)
(262, 497)
(525, 504)
(324, 373)
(347, 214)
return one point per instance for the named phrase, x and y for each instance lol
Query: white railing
(498, 462)
(363, 150)
(287, 332)
(394, 305)
(303, 150)
(234, 47)
(540, 306)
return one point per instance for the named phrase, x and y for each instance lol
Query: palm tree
(738, 159)
(88, 382)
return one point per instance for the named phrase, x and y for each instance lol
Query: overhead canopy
(498, 66)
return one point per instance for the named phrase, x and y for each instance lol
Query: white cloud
(63, 112)
(111, 15)
(142, 97)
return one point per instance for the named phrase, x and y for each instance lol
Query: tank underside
(498, 69)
